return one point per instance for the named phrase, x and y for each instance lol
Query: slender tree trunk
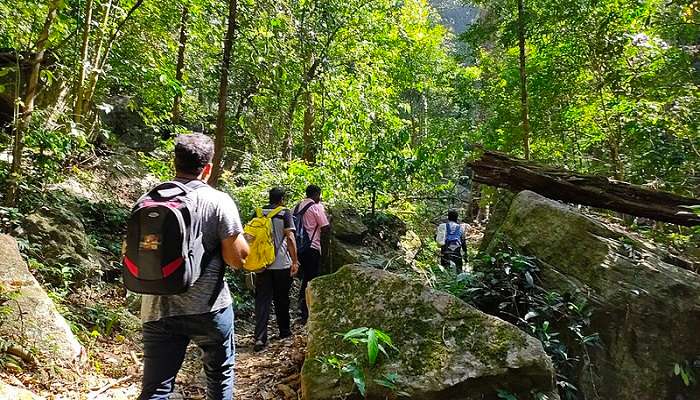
(180, 63)
(83, 63)
(101, 58)
(220, 132)
(524, 108)
(28, 108)
(289, 139)
(82, 93)
(309, 116)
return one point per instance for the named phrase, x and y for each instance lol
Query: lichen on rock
(446, 348)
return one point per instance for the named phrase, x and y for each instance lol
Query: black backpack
(301, 236)
(164, 250)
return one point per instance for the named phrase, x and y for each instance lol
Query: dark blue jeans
(165, 342)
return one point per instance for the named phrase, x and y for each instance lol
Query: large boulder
(347, 225)
(447, 350)
(32, 320)
(646, 310)
(62, 238)
(10, 392)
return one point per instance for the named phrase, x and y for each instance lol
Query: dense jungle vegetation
(382, 103)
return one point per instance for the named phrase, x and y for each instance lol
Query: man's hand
(294, 269)
(234, 250)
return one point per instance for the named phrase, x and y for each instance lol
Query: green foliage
(506, 285)
(358, 368)
(612, 86)
(685, 372)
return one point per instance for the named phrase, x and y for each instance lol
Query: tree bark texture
(182, 43)
(83, 62)
(524, 107)
(28, 107)
(220, 132)
(500, 170)
(309, 116)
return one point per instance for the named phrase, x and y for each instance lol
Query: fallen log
(500, 170)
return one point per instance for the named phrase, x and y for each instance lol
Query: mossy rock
(446, 348)
(31, 318)
(646, 310)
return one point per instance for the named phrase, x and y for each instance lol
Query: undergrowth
(507, 285)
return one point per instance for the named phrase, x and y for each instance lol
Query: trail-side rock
(33, 320)
(347, 225)
(10, 392)
(646, 310)
(124, 122)
(62, 238)
(447, 350)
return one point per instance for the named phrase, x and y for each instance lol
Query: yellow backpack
(258, 233)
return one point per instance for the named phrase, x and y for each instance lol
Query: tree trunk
(77, 116)
(524, 108)
(309, 115)
(220, 132)
(288, 144)
(180, 64)
(101, 58)
(500, 170)
(81, 92)
(28, 108)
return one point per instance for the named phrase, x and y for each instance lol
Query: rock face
(33, 320)
(447, 350)
(646, 310)
(15, 393)
(126, 123)
(63, 239)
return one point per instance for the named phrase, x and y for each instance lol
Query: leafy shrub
(357, 366)
(506, 285)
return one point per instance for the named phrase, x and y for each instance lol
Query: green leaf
(677, 369)
(372, 347)
(355, 333)
(358, 377)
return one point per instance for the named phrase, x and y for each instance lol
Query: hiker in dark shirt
(451, 236)
(272, 285)
(313, 216)
(171, 322)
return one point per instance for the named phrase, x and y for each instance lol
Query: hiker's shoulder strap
(303, 210)
(274, 212)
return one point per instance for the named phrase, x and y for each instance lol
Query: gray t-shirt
(220, 220)
(281, 221)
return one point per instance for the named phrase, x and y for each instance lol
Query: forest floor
(111, 367)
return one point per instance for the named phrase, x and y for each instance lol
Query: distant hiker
(180, 237)
(310, 218)
(451, 236)
(272, 284)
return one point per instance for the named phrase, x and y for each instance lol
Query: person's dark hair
(277, 194)
(192, 153)
(452, 215)
(312, 190)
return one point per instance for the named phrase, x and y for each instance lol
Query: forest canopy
(380, 99)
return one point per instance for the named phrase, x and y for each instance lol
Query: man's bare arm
(292, 250)
(235, 249)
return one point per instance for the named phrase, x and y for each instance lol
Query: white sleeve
(441, 234)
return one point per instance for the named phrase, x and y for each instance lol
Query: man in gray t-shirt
(203, 314)
(272, 285)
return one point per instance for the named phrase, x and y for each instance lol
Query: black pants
(449, 257)
(272, 286)
(309, 262)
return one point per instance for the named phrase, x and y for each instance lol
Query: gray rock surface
(646, 310)
(9, 392)
(446, 348)
(33, 320)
